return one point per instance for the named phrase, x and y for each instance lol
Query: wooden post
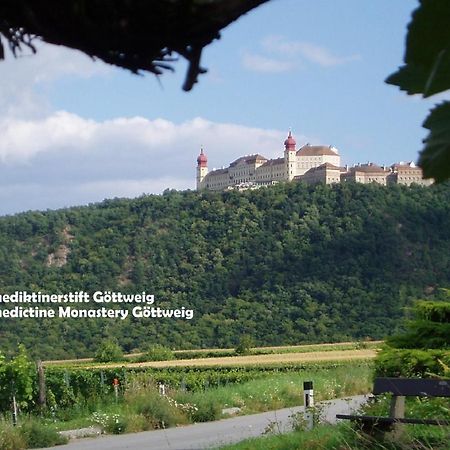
(116, 388)
(397, 411)
(41, 383)
(308, 402)
(14, 411)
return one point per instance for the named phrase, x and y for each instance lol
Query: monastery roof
(249, 159)
(368, 168)
(326, 165)
(273, 162)
(331, 166)
(217, 172)
(405, 166)
(316, 150)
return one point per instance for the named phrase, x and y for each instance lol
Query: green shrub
(395, 362)
(136, 423)
(10, 437)
(206, 410)
(159, 353)
(20, 373)
(109, 351)
(424, 349)
(111, 423)
(430, 327)
(38, 435)
(438, 312)
(195, 354)
(160, 411)
(244, 345)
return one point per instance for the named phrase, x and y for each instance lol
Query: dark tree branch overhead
(138, 35)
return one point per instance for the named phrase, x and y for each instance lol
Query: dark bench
(401, 388)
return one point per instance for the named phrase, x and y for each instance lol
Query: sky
(75, 131)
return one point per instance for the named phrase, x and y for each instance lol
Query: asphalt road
(211, 434)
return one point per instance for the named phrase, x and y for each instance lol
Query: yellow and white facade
(256, 170)
(311, 164)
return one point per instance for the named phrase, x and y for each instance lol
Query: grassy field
(251, 360)
(141, 403)
(210, 384)
(258, 355)
(140, 406)
(286, 389)
(304, 348)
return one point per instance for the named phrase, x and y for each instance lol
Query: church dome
(290, 143)
(202, 160)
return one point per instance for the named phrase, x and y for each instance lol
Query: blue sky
(75, 131)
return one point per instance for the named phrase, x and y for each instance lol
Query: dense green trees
(287, 264)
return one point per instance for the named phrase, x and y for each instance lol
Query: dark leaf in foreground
(427, 72)
(435, 157)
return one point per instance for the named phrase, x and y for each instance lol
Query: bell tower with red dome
(202, 169)
(290, 156)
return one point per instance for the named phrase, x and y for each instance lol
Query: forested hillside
(286, 264)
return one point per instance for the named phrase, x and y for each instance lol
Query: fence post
(41, 384)
(14, 411)
(116, 388)
(397, 410)
(308, 401)
(162, 389)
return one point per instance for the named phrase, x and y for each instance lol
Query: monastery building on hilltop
(311, 164)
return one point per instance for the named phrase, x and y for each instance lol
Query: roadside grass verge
(30, 433)
(141, 407)
(347, 436)
(286, 389)
(322, 437)
(344, 437)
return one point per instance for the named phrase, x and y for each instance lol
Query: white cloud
(54, 159)
(22, 139)
(306, 50)
(64, 159)
(67, 133)
(49, 63)
(21, 75)
(260, 63)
